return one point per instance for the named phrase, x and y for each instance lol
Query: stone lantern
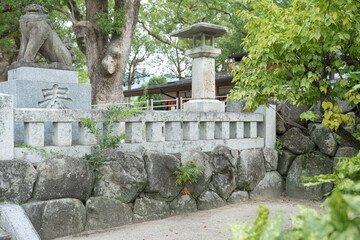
(203, 54)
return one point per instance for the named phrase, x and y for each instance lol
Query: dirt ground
(210, 224)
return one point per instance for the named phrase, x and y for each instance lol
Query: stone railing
(166, 132)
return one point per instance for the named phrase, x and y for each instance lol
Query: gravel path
(209, 224)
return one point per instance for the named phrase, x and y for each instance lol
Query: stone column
(203, 54)
(6, 127)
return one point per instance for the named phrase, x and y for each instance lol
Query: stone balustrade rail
(162, 131)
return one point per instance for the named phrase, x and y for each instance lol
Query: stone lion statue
(38, 35)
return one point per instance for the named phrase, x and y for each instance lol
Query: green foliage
(346, 173)
(309, 116)
(292, 52)
(187, 174)
(112, 21)
(146, 96)
(263, 227)
(106, 138)
(341, 221)
(279, 147)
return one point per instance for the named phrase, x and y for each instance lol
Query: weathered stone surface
(161, 178)
(238, 197)
(323, 138)
(293, 112)
(285, 161)
(280, 127)
(341, 141)
(344, 152)
(56, 218)
(14, 222)
(183, 204)
(297, 142)
(146, 209)
(124, 177)
(271, 186)
(17, 179)
(103, 212)
(209, 200)
(203, 161)
(224, 162)
(271, 159)
(250, 169)
(45, 41)
(62, 177)
(308, 165)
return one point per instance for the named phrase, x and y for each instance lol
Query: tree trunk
(348, 137)
(107, 59)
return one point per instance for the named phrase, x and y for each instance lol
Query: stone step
(4, 235)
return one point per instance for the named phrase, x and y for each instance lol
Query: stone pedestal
(46, 88)
(36, 86)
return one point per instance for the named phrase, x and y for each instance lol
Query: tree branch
(158, 38)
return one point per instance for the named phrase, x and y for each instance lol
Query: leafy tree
(159, 18)
(103, 30)
(303, 44)
(145, 96)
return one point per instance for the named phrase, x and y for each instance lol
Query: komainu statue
(38, 36)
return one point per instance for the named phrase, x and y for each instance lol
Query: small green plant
(279, 147)
(106, 139)
(187, 174)
(43, 150)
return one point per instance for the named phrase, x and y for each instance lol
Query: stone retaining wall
(64, 196)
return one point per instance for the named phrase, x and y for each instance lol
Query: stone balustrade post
(191, 131)
(207, 130)
(154, 131)
(267, 129)
(34, 134)
(62, 135)
(86, 138)
(236, 130)
(222, 130)
(253, 130)
(173, 131)
(6, 127)
(133, 132)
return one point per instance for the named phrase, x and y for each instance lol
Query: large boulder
(271, 159)
(271, 186)
(280, 127)
(103, 212)
(17, 180)
(308, 165)
(324, 139)
(161, 178)
(56, 218)
(146, 209)
(250, 169)
(224, 161)
(296, 141)
(63, 177)
(209, 200)
(285, 161)
(123, 178)
(183, 204)
(202, 160)
(344, 152)
(293, 112)
(238, 197)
